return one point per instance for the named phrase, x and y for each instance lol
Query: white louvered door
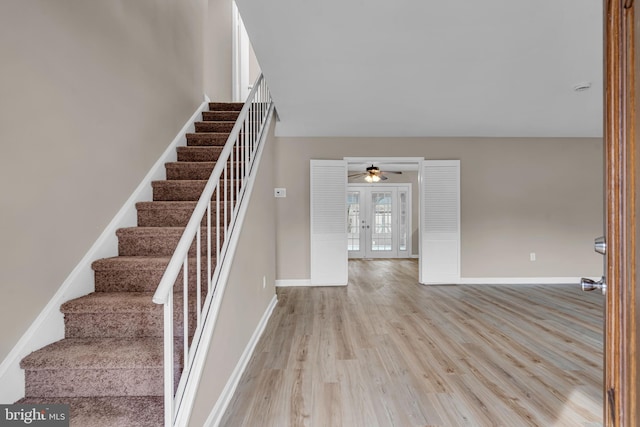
(440, 222)
(329, 260)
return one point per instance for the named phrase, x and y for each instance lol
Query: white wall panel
(329, 261)
(440, 222)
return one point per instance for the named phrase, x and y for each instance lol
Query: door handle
(600, 245)
(588, 285)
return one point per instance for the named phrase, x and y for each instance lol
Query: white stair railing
(214, 216)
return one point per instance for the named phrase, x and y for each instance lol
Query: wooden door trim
(620, 406)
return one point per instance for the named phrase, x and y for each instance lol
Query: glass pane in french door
(382, 233)
(353, 220)
(403, 226)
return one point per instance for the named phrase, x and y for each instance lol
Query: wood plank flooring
(386, 351)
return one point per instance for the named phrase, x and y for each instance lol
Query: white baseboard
(230, 388)
(292, 283)
(48, 327)
(520, 280)
(468, 281)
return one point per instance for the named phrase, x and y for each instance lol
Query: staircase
(109, 366)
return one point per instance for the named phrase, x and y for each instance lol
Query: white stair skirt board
(48, 327)
(288, 283)
(230, 388)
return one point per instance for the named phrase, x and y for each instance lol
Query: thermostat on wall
(280, 192)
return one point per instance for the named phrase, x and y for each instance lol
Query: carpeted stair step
(169, 214)
(141, 274)
(225, 106)
(215, 126)
(139, 411)
(183, 190)
(156, 241)
(196, 171)
(199, 154)
(231, 116)
(207, 139)
(122, 314)
(85, 367)
(189, 170)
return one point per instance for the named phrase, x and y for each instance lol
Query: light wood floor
(386, 351)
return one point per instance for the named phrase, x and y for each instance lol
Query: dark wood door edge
(619, 127)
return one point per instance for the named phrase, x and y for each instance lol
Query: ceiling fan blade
(396, 172)
(355, 175)
(382, 177)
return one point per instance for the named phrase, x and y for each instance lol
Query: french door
(379, 221)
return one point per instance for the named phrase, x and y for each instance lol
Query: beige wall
(245, 300)
(218, 50)
(91, 93)
(517, 196)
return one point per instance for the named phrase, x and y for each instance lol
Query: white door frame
(413, 164)
(399, 187)
(240, 84)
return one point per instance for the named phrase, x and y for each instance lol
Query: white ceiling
(431, 68)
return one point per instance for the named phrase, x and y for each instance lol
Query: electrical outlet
(280, 192)
(532, 256)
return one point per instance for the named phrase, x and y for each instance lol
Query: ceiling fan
(373, 174)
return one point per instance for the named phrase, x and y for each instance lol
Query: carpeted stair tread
(214, 126)
(122, 263)
(182, 190)
(207, 139)
(140, 274)
(225, 106)
(119, 302)
(120, 411)
(86, 367)
(150, 231)
(220, 115)
(199, 154)
(134, 263)
(153, 241)
(195, 171)
(189, 170)
(178, 190)
(168, 214)
(150, 215)
(97, 353)
(111, 302)
(123, 314)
